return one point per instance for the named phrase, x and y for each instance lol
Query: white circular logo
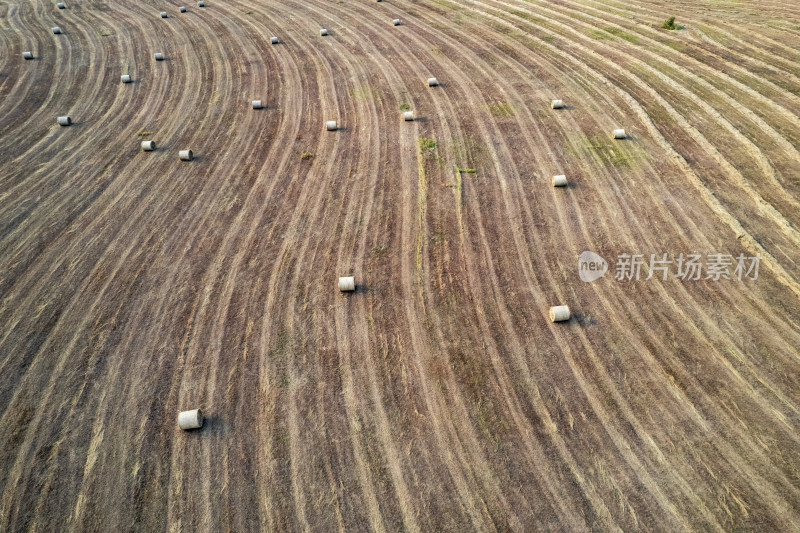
(591, 266)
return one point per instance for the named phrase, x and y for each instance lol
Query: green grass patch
(305, 156)
(669, 24)
(365, 93)
(599, 35)
(605, 148)
(427, 145)
(678, 47)
(528, 17)
(404, 107)
(623, 35)
(144, 134)
(659, 115)
(466, 170)
(608, 34)
(501, 109)
(547, 38)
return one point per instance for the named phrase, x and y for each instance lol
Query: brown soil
(438, 396)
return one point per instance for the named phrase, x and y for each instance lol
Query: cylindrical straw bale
(347, 284)
(64, 121)
(559, 313)
(331, 125)
(148, 146)
(559, 181)
(186, 155)
(190, 419)
(619, 134)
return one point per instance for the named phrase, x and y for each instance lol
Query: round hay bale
(331, 125)
(64, 121)
(433, 82)
(560, 181)
(56, 30)
(323, 32)
(186, 155)
(274, 40)
(396, 22)
(408, 116)
(183, 9)
(201, 4)
(190, 419)
(159, 56)
(27, 55)
(163, 14)
(61, 5)
(557, 104)
(257, 104)
(125, 78)
(148, 146)
(347, 284)
(619, 134)
(559, 313)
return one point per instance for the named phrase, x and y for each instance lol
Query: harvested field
(439, 396)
